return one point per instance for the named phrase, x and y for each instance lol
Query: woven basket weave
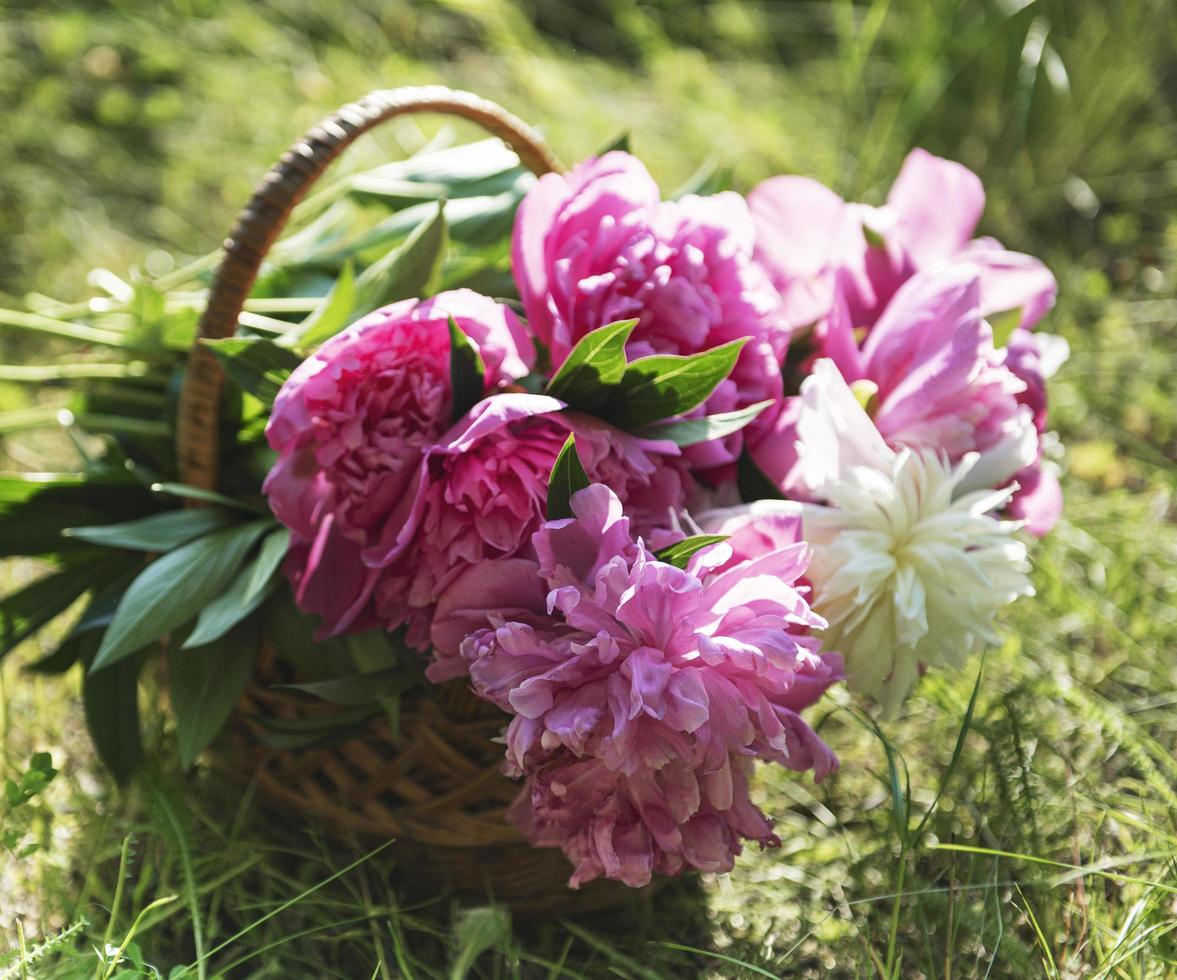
(439, 785)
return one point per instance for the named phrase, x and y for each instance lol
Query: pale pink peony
(481, 493)
(351, 426)
(630, 827)
(598, 245)
(666, 679)
(808, 237)
(931, 378)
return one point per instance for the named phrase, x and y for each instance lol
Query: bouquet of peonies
(701, 459)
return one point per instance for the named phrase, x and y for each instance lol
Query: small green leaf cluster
(20, 798)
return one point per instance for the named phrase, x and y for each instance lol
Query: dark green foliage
(568, 476)
(679, 554)
(467, 372)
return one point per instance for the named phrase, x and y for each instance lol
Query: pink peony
(807, 237)
(599, 245)
(629, 827)
(351, 426)
(663, 682)
(1034, 357)
(482, 491)
(932, 379)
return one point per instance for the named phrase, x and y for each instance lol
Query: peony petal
(938, 203)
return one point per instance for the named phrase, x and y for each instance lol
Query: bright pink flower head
(932, 379)
(598, 245)
(808, 237)
(482, 493)
(351, 425)
(667, 677)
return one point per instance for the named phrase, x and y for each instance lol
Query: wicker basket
(439, 786)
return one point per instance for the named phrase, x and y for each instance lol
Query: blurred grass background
(135, 130)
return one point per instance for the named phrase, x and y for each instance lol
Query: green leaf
(32, 513)
(257, 366)
(467, 371)
(405, 272)
(330, 316)
(679, 554)
(173, 589)
(160, 532)
(595, 363)
(292, 632)
(25, 612)
(619, 142)
(378, 651)
(205, 683)
(111, 702)
(273, 550)
(476, 931)
(318, 730)
(688, 432)
(23, 419)
(205, 496)
(709, 178)
(752, 482)
(1004, 324)
(874, 237)
(228, 609)
(568, 476)
(665, 385)
(357, 689)
(470, 169)
(37, 323)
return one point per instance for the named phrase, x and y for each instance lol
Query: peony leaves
(680, 553)
(110, 700)
(568, 476)
(330, 316)
(665, 385)
(205, 683)
(594, 365)
(597, 378)
(159, 532)
(257, 366)
(404, 272)
(689, 432)
(467, 372)
(174, 588)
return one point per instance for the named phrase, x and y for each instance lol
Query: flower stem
(895, 907)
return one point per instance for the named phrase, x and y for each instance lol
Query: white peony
(909, 566)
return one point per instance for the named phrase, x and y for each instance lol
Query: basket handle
(265, 216)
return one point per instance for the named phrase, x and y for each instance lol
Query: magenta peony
(599, 245)
(481, 493)
(351, 426)
(644, 693)
(808, 237)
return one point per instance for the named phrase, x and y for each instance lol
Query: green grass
(1048, 843)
